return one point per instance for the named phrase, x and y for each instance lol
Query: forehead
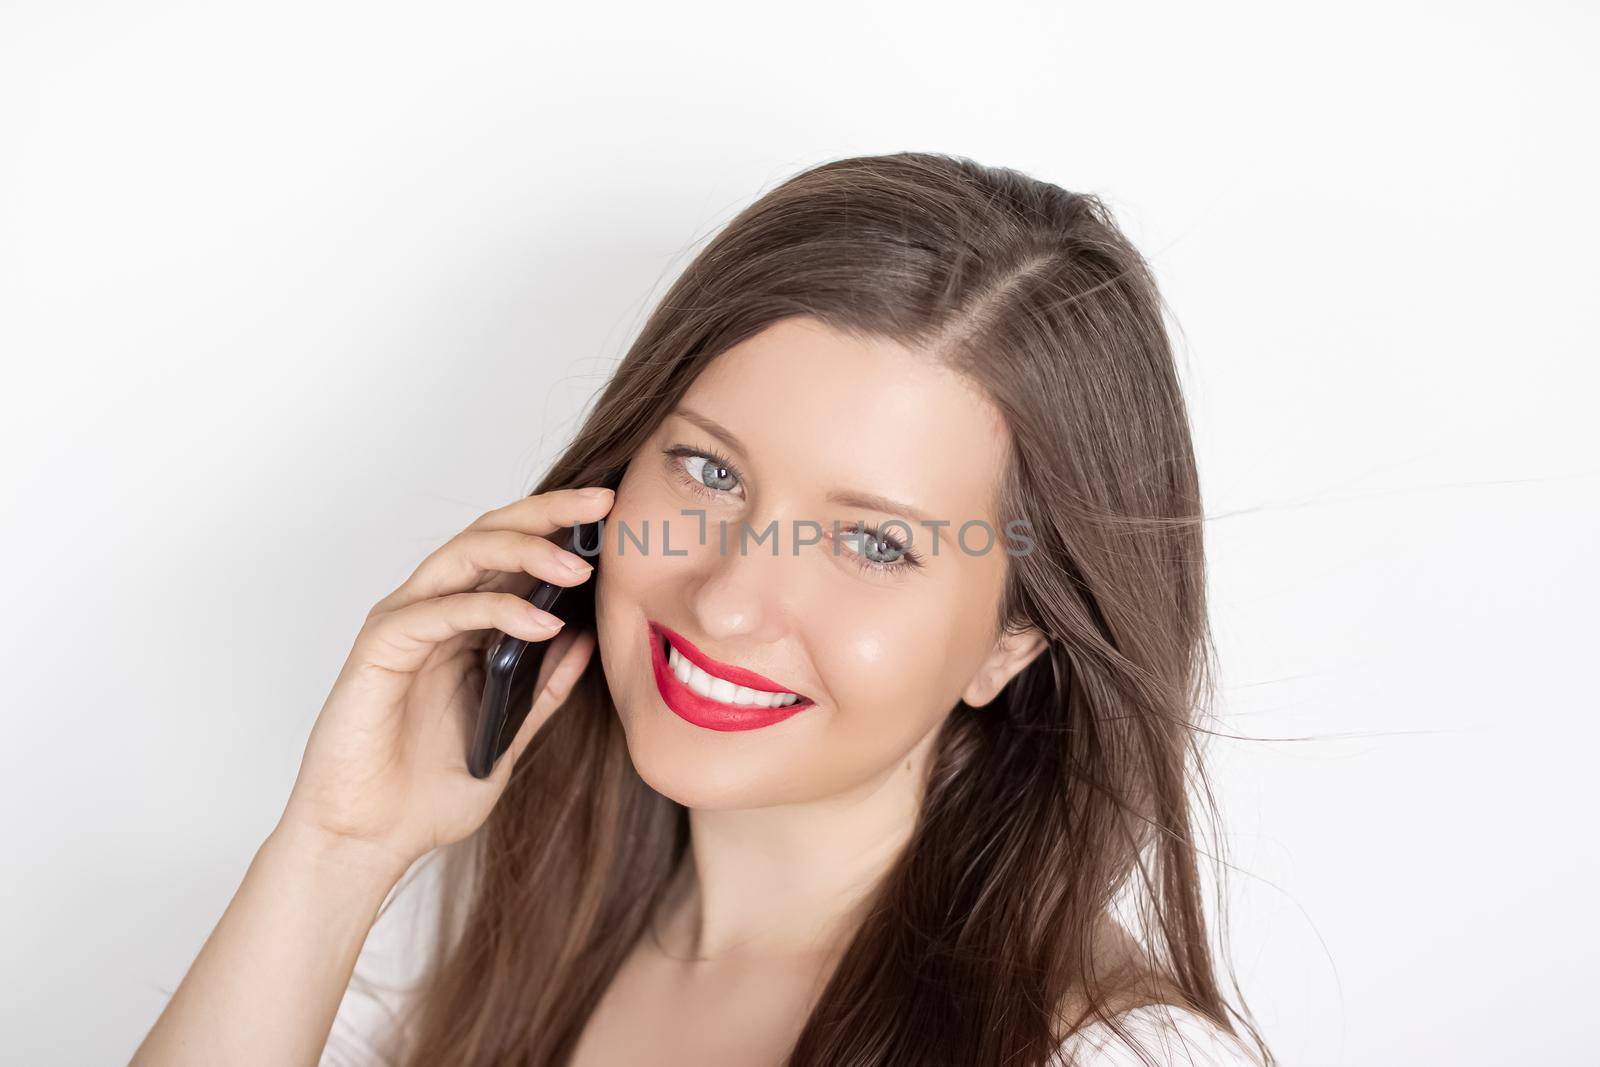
(820, 410)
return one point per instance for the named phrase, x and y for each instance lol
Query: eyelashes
(903, 558)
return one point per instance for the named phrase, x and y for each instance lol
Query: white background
(291, 292)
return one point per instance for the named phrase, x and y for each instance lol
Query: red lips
(703, 711)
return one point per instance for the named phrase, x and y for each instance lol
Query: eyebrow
(849, 497)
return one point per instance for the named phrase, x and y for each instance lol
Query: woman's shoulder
(1168, 1034)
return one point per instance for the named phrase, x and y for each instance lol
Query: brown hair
(1076, 794)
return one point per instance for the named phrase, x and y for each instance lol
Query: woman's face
(880, 654)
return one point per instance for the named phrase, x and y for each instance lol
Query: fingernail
(574, 563)
(544, 618)
(595, 490)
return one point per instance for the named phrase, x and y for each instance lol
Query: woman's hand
(383, 780)
(384, 773)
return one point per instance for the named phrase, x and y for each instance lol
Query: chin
(708, 769)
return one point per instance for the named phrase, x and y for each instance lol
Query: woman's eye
(879, 552)
(874, 548)
(710, 474)
(705, 472)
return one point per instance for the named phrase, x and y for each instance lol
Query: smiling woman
(881, 748)
(882, 650)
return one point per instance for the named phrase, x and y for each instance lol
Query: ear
(1012, 652)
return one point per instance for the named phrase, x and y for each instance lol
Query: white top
(374, 1016)
(369, 1024)
(1175, 1037)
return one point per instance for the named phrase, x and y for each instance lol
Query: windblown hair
(1076, 796)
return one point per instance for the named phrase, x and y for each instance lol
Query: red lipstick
(703, 711)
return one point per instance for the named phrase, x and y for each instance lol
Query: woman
(948, 818)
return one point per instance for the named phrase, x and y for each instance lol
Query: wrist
(364, 863)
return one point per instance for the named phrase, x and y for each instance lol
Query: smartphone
(511, 664)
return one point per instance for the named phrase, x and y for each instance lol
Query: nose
(745, 591)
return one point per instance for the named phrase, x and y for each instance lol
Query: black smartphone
(511, 664)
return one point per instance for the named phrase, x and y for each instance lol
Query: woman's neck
(788, 880)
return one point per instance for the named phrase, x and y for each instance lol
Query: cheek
(890, 671)
(897, 661)
(622, 581)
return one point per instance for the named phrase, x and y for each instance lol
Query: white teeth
(720, 688)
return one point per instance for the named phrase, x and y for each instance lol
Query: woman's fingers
(470, 559)
(399, 641)
(509, 539)
(545, 513)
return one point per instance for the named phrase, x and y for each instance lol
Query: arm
(267, 983)
(382, 783)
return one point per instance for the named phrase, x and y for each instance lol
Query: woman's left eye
(876, 551)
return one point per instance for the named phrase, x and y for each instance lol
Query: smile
(712, 694)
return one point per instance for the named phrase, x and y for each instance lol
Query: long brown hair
(1078, 793)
